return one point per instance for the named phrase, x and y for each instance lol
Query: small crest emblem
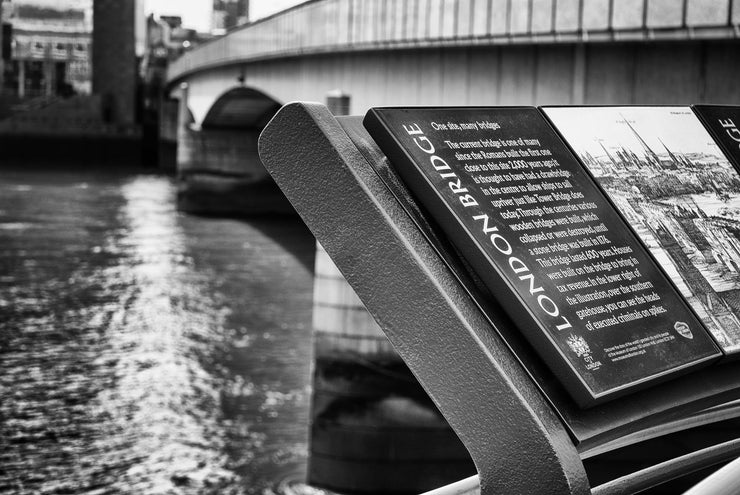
(578, 345)
(683, 330)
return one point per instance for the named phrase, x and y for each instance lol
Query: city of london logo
(683, 330)
(578, 345)
(581, 349)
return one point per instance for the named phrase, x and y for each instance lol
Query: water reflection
(145, 351)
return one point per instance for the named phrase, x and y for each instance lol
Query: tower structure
(228, 14)
(5, 40)
(114, 69)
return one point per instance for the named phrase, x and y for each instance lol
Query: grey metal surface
(517, 441)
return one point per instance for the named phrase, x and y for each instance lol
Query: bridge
(462, 52)
(446, 52)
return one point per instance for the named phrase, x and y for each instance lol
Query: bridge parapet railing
(322, 26)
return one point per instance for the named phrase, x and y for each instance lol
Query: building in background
(5, 39)
(166, 40)
(118, 26)
(227, 14)
(74, 77)
(168, 32)
(50, 48)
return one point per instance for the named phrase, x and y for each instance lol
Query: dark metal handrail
(725, 481)
(672, 469)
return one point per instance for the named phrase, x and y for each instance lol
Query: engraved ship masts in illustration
(683, 177)
(623, 161)
(651, 157)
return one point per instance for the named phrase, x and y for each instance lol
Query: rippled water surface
(144, 350)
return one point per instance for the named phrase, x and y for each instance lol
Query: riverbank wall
(59, 132)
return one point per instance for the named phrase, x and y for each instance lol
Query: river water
(144, 350)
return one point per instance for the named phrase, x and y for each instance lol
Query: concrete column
(373, 428)
(183, 114)
(220, 172)
(183, 122)
(168, 129)
(114, 57)
(49, 78)
(21, 78)
(342, 325)
(338, 102)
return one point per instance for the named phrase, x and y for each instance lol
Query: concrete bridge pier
(167, 134)
(218, 168)
(373, 427)
(219, 172)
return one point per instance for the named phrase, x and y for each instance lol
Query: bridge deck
(332, 26)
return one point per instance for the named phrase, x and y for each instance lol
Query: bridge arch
(218, 163)
(240, 107)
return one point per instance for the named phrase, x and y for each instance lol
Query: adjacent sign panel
(723, 122)
(679, 192)
(541, 234)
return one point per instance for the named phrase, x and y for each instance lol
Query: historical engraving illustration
(679, 192)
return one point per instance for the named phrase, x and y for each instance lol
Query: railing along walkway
(335, 26)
